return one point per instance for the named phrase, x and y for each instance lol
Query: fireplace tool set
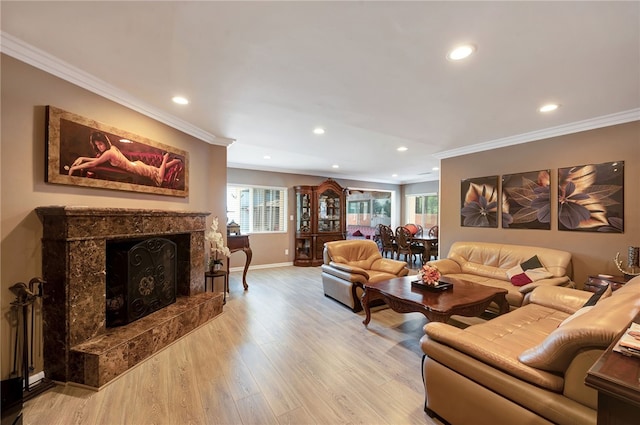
(26, 297)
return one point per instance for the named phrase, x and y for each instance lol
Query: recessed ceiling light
(180, 100)
(461, 52)
(318, 130)
(549, 107)
(335, 166)
(435, 168)
(402, 149)
(394, 175)
(267, 157)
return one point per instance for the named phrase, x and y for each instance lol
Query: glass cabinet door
(303, 205)
(329, 212)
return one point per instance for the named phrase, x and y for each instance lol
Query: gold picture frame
(84, 152)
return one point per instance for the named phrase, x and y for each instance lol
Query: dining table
(428, 242)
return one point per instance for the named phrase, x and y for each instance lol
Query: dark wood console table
(617, 379)
(240, 243)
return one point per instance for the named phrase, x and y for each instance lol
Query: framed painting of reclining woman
(83, 152)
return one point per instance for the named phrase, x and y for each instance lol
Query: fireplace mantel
(78, 347)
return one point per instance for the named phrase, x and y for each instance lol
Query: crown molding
(18, 49)
(561, 130)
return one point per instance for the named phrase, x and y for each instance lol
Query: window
(422, 210)
(358, 213)
(257, 209)
(368, 208)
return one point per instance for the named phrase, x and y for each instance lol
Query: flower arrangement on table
(217, 248)
(429, 275)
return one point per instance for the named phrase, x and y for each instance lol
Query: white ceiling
(373, 74)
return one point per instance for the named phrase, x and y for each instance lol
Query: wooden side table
(615, 377)
(212, 276)
(240, 243)
(596, 281)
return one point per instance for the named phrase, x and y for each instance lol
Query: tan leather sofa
(349, 264)
(526, 366)
(487, 264)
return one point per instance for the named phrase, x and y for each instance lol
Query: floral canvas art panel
(591, 198)
(528, 200)
(481, 201)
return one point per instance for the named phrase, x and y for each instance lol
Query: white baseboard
(34, 379)
(261, 266)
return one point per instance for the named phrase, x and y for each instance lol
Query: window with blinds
(257, 209)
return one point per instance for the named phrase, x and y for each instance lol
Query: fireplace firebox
(141, 278)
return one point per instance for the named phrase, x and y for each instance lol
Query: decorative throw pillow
(412, 228)
(527, 272)
(596, 295)
(357, 233)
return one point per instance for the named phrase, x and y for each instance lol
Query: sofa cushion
(527, 272)
(514, 296)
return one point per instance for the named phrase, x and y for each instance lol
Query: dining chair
(388, 243)
(405, 246)
(433, 248)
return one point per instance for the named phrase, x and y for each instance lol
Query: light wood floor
(280, 353)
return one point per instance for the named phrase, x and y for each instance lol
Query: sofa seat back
(492, 260)
(355, 253)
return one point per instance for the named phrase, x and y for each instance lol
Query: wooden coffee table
(464, 299)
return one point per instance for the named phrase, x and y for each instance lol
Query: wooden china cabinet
(320, 218)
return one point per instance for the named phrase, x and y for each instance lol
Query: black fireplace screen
(141, 278)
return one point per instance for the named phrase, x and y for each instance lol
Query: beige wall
(25, 92)
(592, 252)
(269, 248)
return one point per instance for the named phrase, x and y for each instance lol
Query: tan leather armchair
(350, 264)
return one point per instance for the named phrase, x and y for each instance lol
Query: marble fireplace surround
(78, 347)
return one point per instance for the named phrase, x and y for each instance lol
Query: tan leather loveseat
(527, 366)
(349, 264)
(488, 263)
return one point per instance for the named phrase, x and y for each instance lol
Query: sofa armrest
(446, 266)
(350, 269)
(388, 265)
(560, 298)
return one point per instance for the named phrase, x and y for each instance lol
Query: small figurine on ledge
(633, 262)
(217, 248)
(233, 228)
